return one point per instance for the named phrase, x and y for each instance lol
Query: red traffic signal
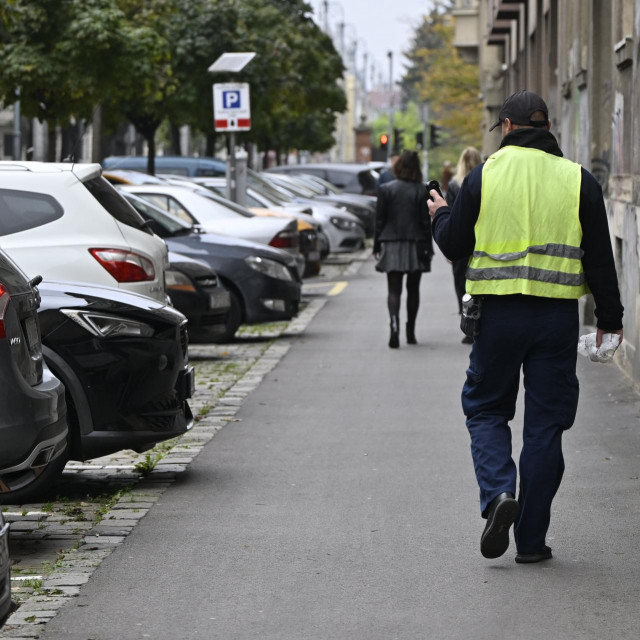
(384, 138)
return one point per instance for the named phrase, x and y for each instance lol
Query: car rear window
(115, 204)
(342, 179)
(22, 210)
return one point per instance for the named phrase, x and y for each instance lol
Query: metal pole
(325, 5)
(390, 141)
(342, 116)
(17, 133)
(425, 141)
(355, 84)
(233, 191)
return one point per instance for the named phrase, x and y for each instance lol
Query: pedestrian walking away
(535, 226)
(403, 243)
(469, 159)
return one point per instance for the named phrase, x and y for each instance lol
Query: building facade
(582, 57)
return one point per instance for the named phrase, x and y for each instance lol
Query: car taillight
(285, 240)
(125, 266)
(4, 301)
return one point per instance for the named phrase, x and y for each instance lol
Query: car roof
(82, 171)
(350, 167)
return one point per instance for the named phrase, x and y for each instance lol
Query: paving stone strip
(56, 546)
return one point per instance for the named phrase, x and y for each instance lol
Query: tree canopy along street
(340, 502)
(147, 62)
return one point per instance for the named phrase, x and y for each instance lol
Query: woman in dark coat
(403, 243)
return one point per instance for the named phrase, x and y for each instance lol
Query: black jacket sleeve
(597, 261)
(425, 221)
(381, 219)
(453, 227)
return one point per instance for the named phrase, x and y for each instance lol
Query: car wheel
(234, 318)
(32, 485)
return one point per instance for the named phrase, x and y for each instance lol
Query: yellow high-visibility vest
(528, 233)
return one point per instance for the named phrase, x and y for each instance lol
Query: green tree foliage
(438, 76)
(146, 61)
(54, 52)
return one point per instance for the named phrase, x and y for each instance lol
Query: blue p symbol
(231, 99)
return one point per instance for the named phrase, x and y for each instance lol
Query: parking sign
(231, 108)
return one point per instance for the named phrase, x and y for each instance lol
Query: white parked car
(216, 217)
(343, 230)
(64, 221)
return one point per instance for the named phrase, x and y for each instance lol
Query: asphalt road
(343, 506)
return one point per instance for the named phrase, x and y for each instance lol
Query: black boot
(394, 338)
(411, 333)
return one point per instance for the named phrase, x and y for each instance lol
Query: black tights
(394, 282)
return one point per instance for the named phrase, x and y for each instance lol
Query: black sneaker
(528, 558)
(503, 512)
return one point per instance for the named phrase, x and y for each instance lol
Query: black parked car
(195, 290)
(263, 282)
(33, 412)
(123, 359)
(5, 571)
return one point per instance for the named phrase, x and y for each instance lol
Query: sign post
(232, 112)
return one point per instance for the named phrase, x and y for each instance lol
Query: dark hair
(407, 167)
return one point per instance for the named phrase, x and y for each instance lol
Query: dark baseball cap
(519, 107)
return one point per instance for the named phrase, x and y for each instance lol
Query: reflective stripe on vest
(528, 232)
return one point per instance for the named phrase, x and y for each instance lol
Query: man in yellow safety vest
(535, 227)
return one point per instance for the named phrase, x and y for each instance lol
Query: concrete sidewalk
(343, 505)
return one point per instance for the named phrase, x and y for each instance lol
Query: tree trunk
(265, 157)
(151, 158)
(96, 135)
(174, 131)
(278, 158)
(211, 145)
(51, 142)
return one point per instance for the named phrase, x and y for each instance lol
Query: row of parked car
(93, 340)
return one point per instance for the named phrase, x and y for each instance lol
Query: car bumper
(136, 388)
(267, 299)
(33, 422)
(206, 309)
(99, 443)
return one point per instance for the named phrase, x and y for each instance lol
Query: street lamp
(390, 56)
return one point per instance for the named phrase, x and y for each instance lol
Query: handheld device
(433, 184)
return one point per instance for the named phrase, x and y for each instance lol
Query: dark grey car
(33, 419)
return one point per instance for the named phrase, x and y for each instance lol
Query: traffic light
(384, 141)
(435, 136)
(420, 140)
(396, 140)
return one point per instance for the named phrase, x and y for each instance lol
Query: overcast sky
(384, 25)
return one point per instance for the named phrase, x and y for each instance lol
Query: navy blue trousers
(538, 336)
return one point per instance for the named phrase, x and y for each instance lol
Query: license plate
(33, 336)
(219, 300)
(313, 256)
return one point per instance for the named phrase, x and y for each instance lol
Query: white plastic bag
(587, 347)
